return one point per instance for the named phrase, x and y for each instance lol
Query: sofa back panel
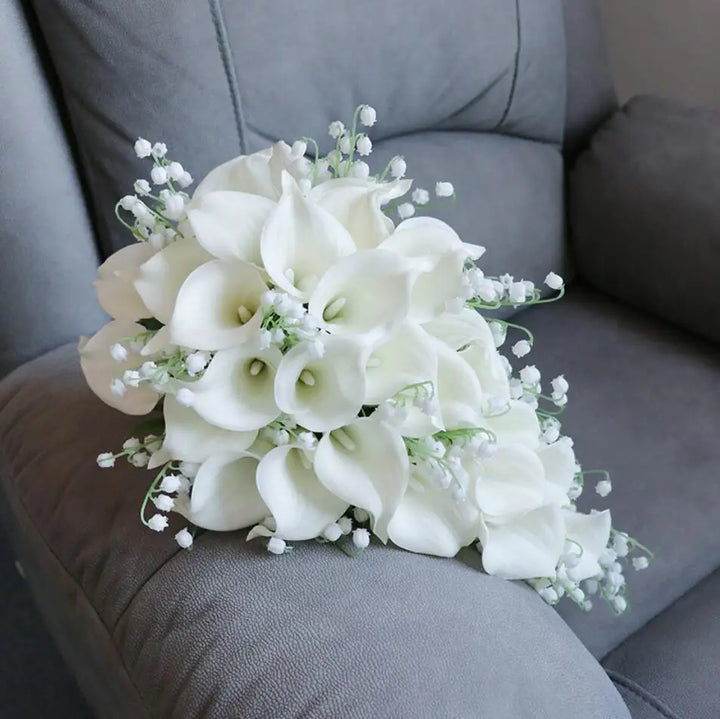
(47, 251)
(213, 79)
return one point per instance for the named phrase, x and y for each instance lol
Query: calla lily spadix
(300, 241)
(300, 505)
(324, 392)
(115, 289)
(218, 306)
(237, 391)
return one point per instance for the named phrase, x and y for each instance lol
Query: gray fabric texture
(591, 97)
(645, 213)
(215, 79)
(229, 630)
(642, 405)
(47, 254)
(673, 661)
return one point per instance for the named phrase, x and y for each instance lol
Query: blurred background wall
(671, 47)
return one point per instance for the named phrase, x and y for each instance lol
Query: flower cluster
(312, 370)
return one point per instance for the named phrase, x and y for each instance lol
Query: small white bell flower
(640, 563)
(398, 168)
(361, 538)
(186, 180)
(521, 348)
(360, 515)
(117, 387)
(420, 196)
(158, 522)
(170, 483)
(332, 532)
(141, 187)
(196, 362)
(140, 459)
(118, 352)
(554, 281)
(184, 538)
(142, 147)
(560, 385)
(106, 460)
(603, 487)
(345, 524)
(405, 210)
(276, 545)
(619, 604)
(189, 469)
(128, 202)
(364, 145)
(175, 171)
(444, 189)
(345, 145)
(360, 169)
(368, 116)
(517, 292)
(530, 375)
(163, 502)
(159, 150)
(335, 129)
(159, 175)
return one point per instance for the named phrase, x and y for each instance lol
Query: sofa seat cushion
(643, 404)
(229, 630)
(668, 670)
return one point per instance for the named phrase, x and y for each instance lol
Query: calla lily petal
(218, 306)
(326, 392)
(518, 425)
(236, 392)
(189, 438)
(357, 204)
(224, 494)
(301, 506)
(160, 278)
(115, 289)
(591, 532)
(458, 390)
(559, 462)
(300, 241)
(247, 173)
(366, 465)
(489, 369)
(229, 224)
(460, 329)
(100, 369)
(525, 546)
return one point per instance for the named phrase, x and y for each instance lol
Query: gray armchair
(498, 96)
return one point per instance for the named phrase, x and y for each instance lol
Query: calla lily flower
(236, 392)
(115, 284)
(365, 464)
(518, 425)
(591, 532)
(229, 224)
(218, 306)
(100, 369)
(322, 393)
(160, 278)
(300, 241)
(300, 505)
(523, 546)
(189, 438)
(559, 462)
(366, 294)
(357, 204)
(224, 494)
(460, 329)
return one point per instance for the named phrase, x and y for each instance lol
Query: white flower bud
(106, 460)
(444, 189)
(361, 538)
(184, 538)
(276, 545)
(521, 348)
(335, 129)
(159, 175)
(158, 522)
(159, 150)
(196, 362)
(363, 145)
(640, 563)
(398, 168)
(554, 281)
(163, 502)
(367, 115)
(405, 210)
(420, 196)
(603, 487)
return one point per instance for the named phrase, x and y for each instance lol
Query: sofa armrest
(645, 211)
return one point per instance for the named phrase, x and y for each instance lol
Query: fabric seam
(513, 84)
(641, 693)
(229, 67)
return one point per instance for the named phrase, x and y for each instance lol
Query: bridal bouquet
(313, 370)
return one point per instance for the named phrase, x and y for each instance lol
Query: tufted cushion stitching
(645, 696)
(27, 520)
(229, 65)
(513, 85)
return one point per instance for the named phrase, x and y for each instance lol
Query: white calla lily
(300, 505)
(366, 295)
(365, 464)
(300, 241)
(160, 278)
(408, 357)
(229, 224)
(100, 369)
(189, 438)
(460, 329)
(218, 306)
(224, 494)
(559, 462)
(115, 284)
(437, 243)
(357, 204)
(523, 546)
(517, 425)
(591, 532)
(236, 392)
(322, 393)
(458, 390)
(429, 521)
(513, 481)
(490, 370)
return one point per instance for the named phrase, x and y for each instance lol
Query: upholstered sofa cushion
(229, 630)
(645, 214)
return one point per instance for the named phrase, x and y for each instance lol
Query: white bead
(363, 145)
(158, 522)
(405, 210)
(106, 460)
(361, 538)
(554, 281)
(444, 189)
(398, 168)
(184, 538)
(142, 147)
(158, 175)
(367, 115)
(276, 545)
(420, 196)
